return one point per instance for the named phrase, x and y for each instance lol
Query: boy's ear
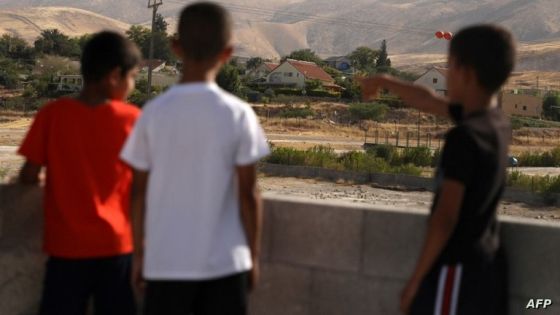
(176, 47)
(115, 76)
(225, 56)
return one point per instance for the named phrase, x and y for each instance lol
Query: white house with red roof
(294, 73)
(262, 71)
(156, 64)
(435, 79)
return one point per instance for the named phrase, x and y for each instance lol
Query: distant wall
(392, 180)
(318, 258)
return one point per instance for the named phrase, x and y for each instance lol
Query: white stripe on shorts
(440, 290)
(456, 288)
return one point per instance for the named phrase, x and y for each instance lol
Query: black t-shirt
(475, 154)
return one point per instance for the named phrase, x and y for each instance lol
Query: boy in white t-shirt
(195, 204)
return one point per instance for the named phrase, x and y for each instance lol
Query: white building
(69, 83)
(294, 73)
(435, 79)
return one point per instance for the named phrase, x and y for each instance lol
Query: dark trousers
(223, 296)
(70, 283)
(464, 289)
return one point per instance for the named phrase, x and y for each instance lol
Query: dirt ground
(367, 194)
(301, 134)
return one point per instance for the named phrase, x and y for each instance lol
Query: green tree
(352, 89)
(254, 63)
(82, 40)
(9, 74)
(304, 55)
(53, 42)
(15, 47)
(229, 78)
(141, 35)
(161, 24)
(334, 73)
(383, 63)
(551, 107)
(364, 59)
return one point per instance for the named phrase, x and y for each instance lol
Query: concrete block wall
(318, 258)
(340, 258)
(21, 258)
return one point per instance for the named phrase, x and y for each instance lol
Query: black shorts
(464, 289)
(70, 283)
(223, 296)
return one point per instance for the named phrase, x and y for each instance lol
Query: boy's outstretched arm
(440, 228)
(137, 211)
(29, 174)
(413, 95)
(251, 214)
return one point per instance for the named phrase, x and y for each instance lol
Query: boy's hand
(137, 278)
(407, 296)
(254, 275)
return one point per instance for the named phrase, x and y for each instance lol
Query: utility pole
(152, 4)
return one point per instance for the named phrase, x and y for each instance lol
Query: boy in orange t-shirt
(87, 226)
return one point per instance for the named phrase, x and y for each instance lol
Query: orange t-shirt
(86, 204)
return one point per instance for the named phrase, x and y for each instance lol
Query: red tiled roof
(154, 62)
(271, 66)
(310, 70)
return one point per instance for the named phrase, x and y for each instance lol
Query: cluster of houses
(512, 102)
(296, 74)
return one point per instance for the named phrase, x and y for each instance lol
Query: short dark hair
(204, 30)
(489, 50)
(106, 51)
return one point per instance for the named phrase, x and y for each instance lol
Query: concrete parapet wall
(352, 259)
(318, 258)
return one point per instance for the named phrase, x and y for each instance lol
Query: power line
(152, 4)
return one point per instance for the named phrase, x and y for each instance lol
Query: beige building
(521, 105)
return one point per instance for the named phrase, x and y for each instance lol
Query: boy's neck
(477, 102)
(94, 95)
(199, 72)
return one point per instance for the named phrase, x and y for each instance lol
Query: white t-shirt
(190, 139)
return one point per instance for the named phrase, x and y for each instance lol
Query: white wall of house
(434, 80)
(286, 74)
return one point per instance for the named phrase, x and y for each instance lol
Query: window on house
(435, 80)
(524, 107)
(288, 74)
(516, 106)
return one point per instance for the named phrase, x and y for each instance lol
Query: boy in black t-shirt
(461, 269)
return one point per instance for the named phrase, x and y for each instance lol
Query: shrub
(545, 159)
(325, 157)
(321, 93)
(296, 112)
(286, 156)
(386, 152)
(542, 184)
(371, 111)
(421, 156)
